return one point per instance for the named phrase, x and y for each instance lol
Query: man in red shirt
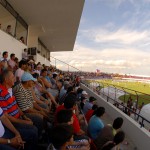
(70, 103)
(90, 112)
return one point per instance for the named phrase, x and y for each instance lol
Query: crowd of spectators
(41, 104)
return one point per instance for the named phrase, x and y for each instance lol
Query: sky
(113, 36)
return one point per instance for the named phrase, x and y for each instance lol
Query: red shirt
(89, 115)
(8, 103)
(75, 125)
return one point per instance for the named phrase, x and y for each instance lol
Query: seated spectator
(47, 84)
(15, 141)
(66, 117)
(88, 105)
(96, 124)
(90, 113)
(61, 137)
(108, 133)
(54, 80)
(26, 102)
(118, 138)
(11, 110)
(83, 101)
(38, 69)
(63, 92)
(41, 92)
(8, 30)
(70, 103)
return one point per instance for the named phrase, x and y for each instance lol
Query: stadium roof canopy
(55, 21)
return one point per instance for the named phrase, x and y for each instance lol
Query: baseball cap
(55, 73)
(84, 92)
(27, 77)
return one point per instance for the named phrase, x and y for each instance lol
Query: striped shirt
(23, 96)
(8, 103)
(2, 130)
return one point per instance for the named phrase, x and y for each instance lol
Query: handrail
(65, 63)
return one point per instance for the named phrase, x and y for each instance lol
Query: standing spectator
(11, 62)
(8, 29)
(4, 61)
(22, 39)
(25, 54)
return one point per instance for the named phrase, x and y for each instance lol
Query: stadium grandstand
(43, 107)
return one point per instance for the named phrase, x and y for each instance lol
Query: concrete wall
(10, 44)
(139, 136)
(39, 58)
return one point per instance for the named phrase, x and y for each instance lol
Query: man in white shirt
(20, 71)
(11, 61)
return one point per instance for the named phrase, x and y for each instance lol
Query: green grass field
(136, 90)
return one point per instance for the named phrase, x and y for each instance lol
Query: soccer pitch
(134, 89)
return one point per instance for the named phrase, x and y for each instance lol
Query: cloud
(120, 36)
(108, 60)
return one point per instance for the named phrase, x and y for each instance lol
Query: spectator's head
(35, 75)
(23, 64)
(62, 135)
(66, 86)
(25, 50)
(8, 78)
(27, 80)
(65, 117)
(12, 56)
(55, 75)
(22, 39)
(100, 111)
(39, 67)
(92, 99)
(117, 123)
(70, 89)
(44, 72)
(70, 101)
(8, 28)
(84, 94)
(94, 107)
(5, 54)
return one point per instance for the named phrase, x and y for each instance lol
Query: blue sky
(113, 36)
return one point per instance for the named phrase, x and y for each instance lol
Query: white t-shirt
(2, 130)
(19, 72)
(12, 63)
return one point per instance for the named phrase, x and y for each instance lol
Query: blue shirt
(95, 126)
(87, 107)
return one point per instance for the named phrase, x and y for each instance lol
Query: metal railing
(99, 88)
(59, 64)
